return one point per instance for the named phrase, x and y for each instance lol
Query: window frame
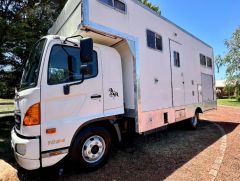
(51, 84)
(113, 6)
(156, 35)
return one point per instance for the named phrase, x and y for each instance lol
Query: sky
(213, 21)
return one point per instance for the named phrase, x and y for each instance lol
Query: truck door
(65, 113)
(178, 88)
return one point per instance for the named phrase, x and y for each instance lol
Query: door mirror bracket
(66, 88)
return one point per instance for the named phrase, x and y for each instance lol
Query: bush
(238, 98)
(7, 92)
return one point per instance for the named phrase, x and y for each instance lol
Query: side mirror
(86, 69)
(86, 50)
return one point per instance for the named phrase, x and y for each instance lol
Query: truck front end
(26, 132)
(64, 101)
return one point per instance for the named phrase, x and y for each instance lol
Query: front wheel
(91, 147)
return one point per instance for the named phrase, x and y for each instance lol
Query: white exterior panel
(69, 20)
(128, 75)
(155, 87)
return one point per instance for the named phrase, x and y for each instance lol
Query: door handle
(95, 96)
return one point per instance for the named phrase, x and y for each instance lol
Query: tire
(193, 122)
(91, 147)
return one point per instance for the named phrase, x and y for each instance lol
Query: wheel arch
(110, 123)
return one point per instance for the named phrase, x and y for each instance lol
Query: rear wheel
(193, 122)
(91, 147)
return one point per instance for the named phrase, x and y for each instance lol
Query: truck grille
(17, 121)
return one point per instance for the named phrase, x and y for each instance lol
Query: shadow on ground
(150, 157)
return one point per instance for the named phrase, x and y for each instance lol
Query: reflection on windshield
(31, 70)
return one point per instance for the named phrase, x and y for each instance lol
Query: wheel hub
(93, 149)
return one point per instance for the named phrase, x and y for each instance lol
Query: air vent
(165, 117)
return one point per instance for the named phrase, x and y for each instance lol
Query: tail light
(32, 117)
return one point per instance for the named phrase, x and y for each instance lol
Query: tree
(150, 5)
(22, 23)
(232, 60)
(229, 89)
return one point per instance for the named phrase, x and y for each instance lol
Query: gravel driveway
(173, 154)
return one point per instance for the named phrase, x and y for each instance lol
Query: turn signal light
(32, 117)
(51, 130)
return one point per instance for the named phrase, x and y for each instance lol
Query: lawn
(228, 102)
(6, 100)
(8, 107)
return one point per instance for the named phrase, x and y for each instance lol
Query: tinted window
(209, 62)
(158, 42)
(202, 59)
(32, 67)
(62, 69)
(154, 40)
(115, 4)
(176, 59)
(150, 39)
(119, 5)
(109, 2)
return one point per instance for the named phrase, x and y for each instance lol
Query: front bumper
(29, 158)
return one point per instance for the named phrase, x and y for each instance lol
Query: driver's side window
(62, 69)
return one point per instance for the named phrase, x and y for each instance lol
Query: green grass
(6, 100)
(6, 108)
(228, 102)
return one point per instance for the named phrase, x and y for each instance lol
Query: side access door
(178, 88)
(65, 113)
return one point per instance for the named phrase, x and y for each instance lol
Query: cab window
(65, 64)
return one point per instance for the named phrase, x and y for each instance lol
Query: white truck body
(156, 83)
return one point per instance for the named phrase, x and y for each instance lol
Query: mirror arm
(66, 39)
(66, 88)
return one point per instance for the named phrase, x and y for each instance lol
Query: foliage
(232, 60)
(229, 89)
(150, 5)
(22, 23)
(238, 98)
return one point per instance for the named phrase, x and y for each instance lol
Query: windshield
(31, 70)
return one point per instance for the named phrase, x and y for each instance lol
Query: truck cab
(67, 85)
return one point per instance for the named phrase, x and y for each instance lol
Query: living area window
(116, 4)
(154, 40)
(209, 62)
(202, 59)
